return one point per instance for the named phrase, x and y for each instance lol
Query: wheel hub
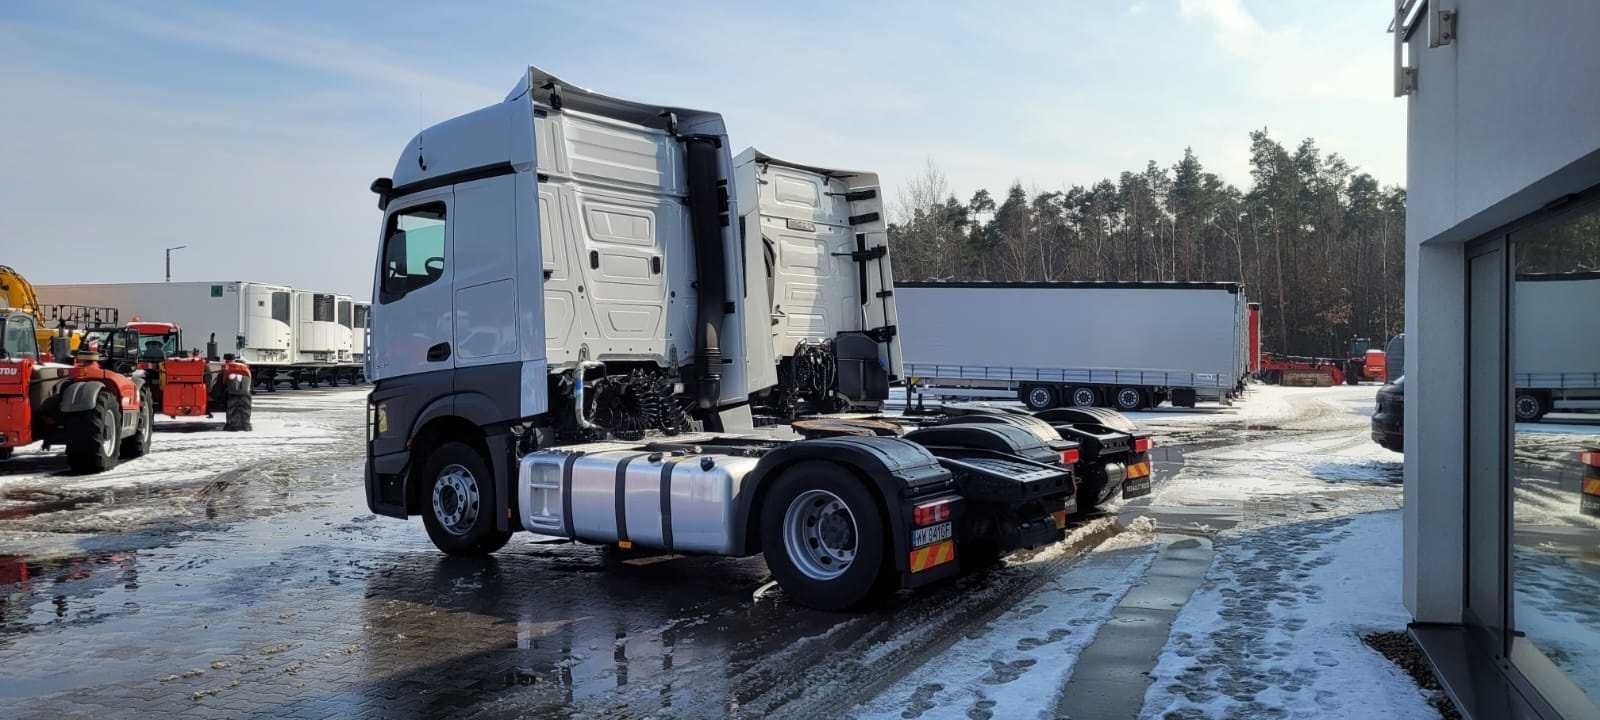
(820, 534)
(455, 499)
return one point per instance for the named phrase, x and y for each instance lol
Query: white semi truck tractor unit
(579, 330)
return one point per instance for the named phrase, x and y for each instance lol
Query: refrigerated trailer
(248, 319)
(324, 339)
(562, 344)
(1129, 345)
(1556, 351)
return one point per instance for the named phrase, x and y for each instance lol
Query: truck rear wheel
(137, 444)
(1039, 397)
(458, 507)
(92, 437)
(1530, 407)
(823, 537)
(1130, 399)
(1084, 397)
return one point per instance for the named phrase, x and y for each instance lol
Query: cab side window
(19, 340)
(413, 250)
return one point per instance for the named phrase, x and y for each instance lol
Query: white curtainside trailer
(1130, 345)
(1557, 346)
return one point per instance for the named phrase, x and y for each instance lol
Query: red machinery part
(1254, 348)
(183, 387)
(16, 414)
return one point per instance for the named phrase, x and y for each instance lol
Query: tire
(1352, 373)
(137, 444)
(5, 452)
(237, 414)
(92, 436)
(839, 562)
(1088, 493)
(1529, 407)
(1129, 399)
(1083, 396)
(458, 503)
(1039, 397)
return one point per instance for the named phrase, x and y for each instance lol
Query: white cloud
(1236, 30)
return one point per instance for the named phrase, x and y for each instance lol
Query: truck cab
(580, 319)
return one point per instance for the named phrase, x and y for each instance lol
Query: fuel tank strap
(620, 496)
(566, 495)
(666, 502)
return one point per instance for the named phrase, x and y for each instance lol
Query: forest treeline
(1318, 243)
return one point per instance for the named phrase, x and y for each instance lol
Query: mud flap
(1137, 482)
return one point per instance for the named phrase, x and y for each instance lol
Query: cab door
(414, 328)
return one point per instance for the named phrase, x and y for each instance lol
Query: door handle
(439, 352)
(594, 259)
(655, 264)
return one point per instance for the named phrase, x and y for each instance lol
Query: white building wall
(1505, 121)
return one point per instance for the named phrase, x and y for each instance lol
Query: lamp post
(169, 259)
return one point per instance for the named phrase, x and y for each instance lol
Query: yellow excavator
(51, 321)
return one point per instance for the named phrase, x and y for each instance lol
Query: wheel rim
(147, 419)
(1128, 399)
(1039, 397)
(1527, 407)
(108, 434)
(1083, 397)
(820, 535)
(455, 499)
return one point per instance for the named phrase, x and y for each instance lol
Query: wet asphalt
(269, 591)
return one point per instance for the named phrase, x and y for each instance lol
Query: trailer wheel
(137, 444)
(92, 437)
(1083, 396)
(458, 509)
(823, 536)
(1039, 397)
(1130, 399)
(1530, 407)
(237, 417)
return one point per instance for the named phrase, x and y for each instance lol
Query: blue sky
(249, 131)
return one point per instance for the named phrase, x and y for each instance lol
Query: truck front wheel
(823, 537)
(458, 508)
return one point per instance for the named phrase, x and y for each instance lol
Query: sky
(250, 131)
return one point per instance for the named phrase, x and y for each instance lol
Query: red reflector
(930, 513)
(1069, 457)
(1142, 445)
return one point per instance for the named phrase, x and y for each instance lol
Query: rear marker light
(1069, 457)
(1142, 445)
(930, 513)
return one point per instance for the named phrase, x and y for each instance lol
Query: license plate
(1134, 487)
(930, 534)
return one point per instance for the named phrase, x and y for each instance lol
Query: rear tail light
(1590, 458)
(1069, 456)
(1141, 445)
(930, 513)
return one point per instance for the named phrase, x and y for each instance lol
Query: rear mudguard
(903, 473)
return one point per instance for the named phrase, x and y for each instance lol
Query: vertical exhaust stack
(707, 213)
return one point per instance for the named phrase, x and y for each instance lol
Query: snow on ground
(1016, 665)
(183, 451)
(1275, 629)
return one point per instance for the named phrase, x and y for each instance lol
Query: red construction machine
(182, 383)
(100, 415)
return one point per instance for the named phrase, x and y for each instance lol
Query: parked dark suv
(1388, 421)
